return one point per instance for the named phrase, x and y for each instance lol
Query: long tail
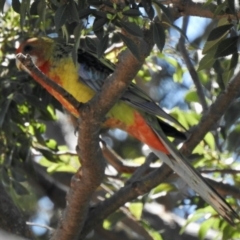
(182, 167)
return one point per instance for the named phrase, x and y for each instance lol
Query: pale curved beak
(18, 64)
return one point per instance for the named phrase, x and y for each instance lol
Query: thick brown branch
(199, 9)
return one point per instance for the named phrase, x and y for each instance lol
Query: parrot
(135, 113)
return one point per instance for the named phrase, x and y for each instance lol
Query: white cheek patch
(34, 59)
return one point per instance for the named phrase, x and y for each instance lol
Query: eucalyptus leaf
(132, 28)
(72, 12)
(227, 46)
(165, 10)
(159, 35)
(206, 62)
(2, 3)
(19, 188)
(16, 5)
(34, 7)
(102, 46)
(234, 61)
(219, 32)
(131, 45)
(83, 13)
(61, 16)
(132, 12)
(147, 4)
(99, 23)
(3, 110)
(231, 5)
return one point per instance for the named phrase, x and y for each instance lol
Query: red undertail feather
(142, 131)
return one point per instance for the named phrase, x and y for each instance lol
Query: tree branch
(213, 115)
(91, 173)
(198, 9)
(154, 178)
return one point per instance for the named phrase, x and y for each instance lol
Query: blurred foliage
(26, 108)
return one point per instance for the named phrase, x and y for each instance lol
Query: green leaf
(234, 61)
(164, 187)
(210, 141)
(136, 209)
(34, 7)
(59, 167)
(206, 62)
(24, 10)
(132, 12)
(100, 14)
(18, 98)
(200, 213)
(159, 35)
(132, 28)
(52, 144)
(3, 110)
(220, 8)
(166, 11)
(205, 226)
(61, 15)
(99, 33)
(211, 46)
(19, 188)
(2, 3)
(232, 114)
(34, 101)
(45, 162)
(102, 46)
(219, 32)
(4, 176)
(91, 44)
(226, 47)
(95, 2)
(147, 4)
(99, 23)
(227, 75)
(72, 12)
(16, 5)
(77, 36)
(83, 13)
(233, 139)
(18, 174)
(131, 45)
(191, 96)
(231, 5)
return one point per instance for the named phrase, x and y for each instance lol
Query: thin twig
(190, 66)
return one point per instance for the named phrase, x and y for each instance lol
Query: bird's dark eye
(28, 48)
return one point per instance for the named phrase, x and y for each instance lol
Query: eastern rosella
(135, 113)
